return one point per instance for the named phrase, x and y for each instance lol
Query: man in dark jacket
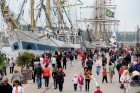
(64, 62)
(104, 61)
(38, 74)
(89, 63)
(5, 87)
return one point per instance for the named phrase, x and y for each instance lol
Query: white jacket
(99, 62)
(20, 89)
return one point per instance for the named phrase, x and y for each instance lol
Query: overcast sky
(128, 12)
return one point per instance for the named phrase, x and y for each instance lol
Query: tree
(25, 59)
(1, 61)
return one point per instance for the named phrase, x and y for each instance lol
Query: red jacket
(46, 72)
(98, 92)
(80, 79)
(46, 61)
(83, 57)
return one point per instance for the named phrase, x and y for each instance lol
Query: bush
(138, 92)
(24, 59)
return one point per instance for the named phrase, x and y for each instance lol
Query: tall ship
(102, 24)
(38, 25)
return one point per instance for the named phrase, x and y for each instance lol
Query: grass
(138, 92)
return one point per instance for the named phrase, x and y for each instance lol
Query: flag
(109, 13)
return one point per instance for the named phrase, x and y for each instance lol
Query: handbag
(91, 77)
(122, 86)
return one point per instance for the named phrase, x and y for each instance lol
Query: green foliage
(24, 59)
(1, 60)
(138, 92)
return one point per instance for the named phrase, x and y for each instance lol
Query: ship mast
(100, 22)
(32, 14)
(48, 8)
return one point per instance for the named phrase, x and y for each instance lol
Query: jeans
(55, 82)
(38, 81)
(98, 70)
(71, 61)
(46, 79)
(53, 66)
(11, 69)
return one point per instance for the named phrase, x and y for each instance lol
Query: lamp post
(137, 45)
(137, 36)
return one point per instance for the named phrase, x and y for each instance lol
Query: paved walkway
(68, 85)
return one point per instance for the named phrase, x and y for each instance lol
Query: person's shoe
(55, 88)
(85, 90)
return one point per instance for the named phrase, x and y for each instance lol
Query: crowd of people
(53, 64)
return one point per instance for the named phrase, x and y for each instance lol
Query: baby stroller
(135, 79)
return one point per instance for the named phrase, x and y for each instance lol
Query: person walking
(53, 61)
(60, 77)
(111, 71)
(98, 90)
(71, 59)
(89, 64)
(104, 61)
(104, 75)
(83, 59)
(17, 87)
(54, 75)
(5, 87)
(125, 81)
(16, 76)
(4, 65)
(46, 75)
(75, 82)
(38, 74)
(11, 64)
(64, 62)
(121, 72)
(46, 60)
(80, 81)
(87, 74)
(98, 64)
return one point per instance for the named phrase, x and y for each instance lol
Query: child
(75, 82)
(80, 81)
(104, 75)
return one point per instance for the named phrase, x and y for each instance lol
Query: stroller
(135, 79)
